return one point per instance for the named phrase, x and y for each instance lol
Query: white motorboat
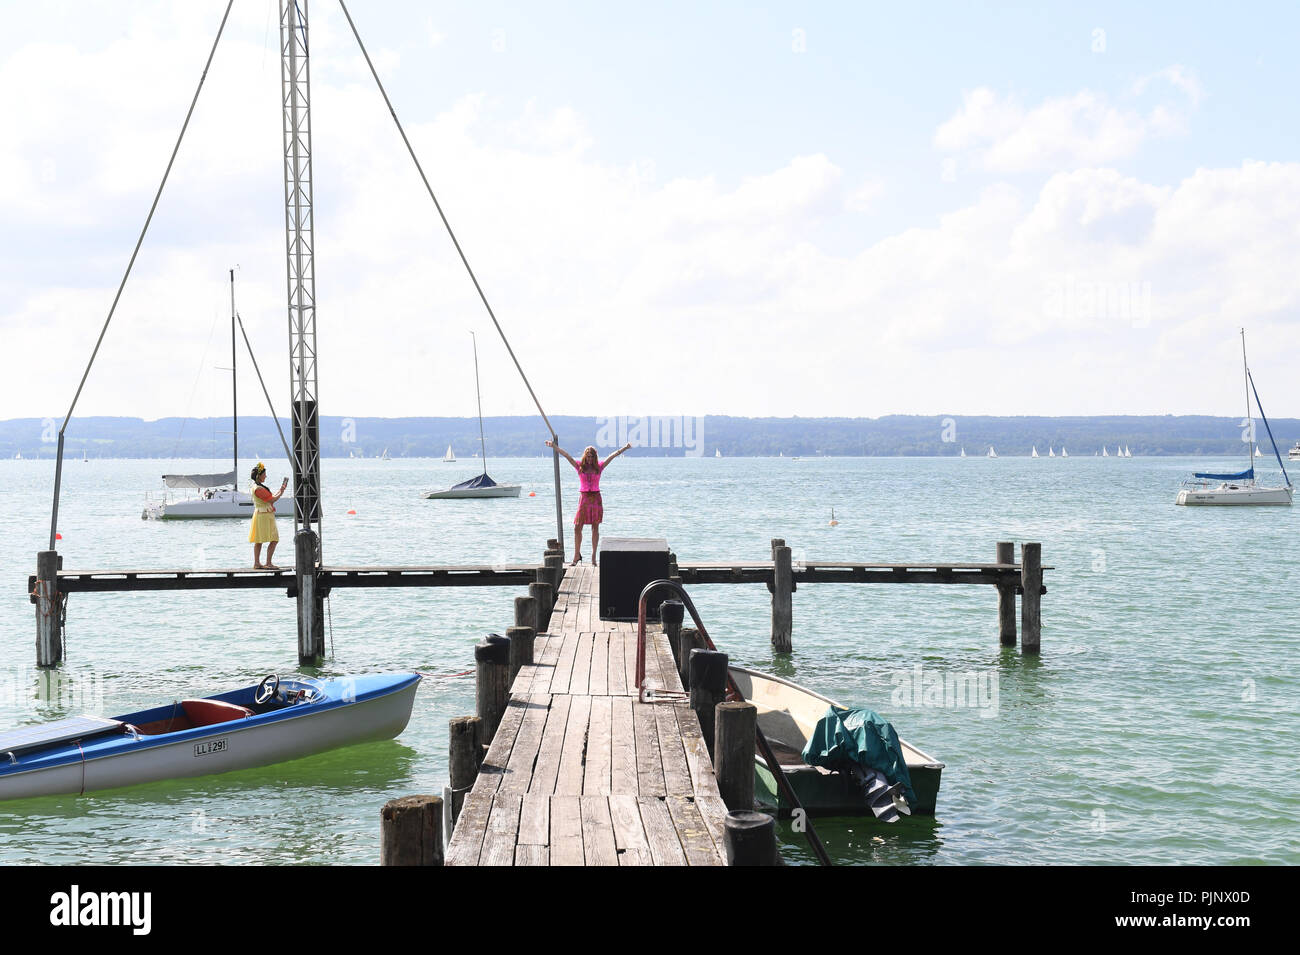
(1241, 488)
(1294, 453)
(480, 485)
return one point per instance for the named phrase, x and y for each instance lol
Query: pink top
(589, 481)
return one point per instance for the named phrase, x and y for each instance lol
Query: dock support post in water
(782, 604)
(750, 838)
(463, 755)
(1031, 578)
(311, 601)
(410, 831)
(708, 671)
(49, 609)
(526, 612)
(492, 683)
(545, 597)
(554, 571)
(689, 640)
(671, 615)
(1007, 597)
(521, 649)
(733, 749)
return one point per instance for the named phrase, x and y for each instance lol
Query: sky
(751, 209)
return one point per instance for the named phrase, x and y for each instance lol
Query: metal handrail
(733, 694)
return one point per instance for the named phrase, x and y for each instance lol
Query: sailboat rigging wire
(437, 205)
(1267, 427)
(58, 467)
(274, 417)
(194, 388)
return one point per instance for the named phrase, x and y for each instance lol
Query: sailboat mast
(479, 395)
(1250, 418)
(234, 380)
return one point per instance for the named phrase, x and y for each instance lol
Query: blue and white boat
(272, 721)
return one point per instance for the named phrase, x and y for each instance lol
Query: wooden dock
(579, 771)
(241, 578)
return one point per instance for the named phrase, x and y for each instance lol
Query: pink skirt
(590, 509)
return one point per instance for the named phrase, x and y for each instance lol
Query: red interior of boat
(192, 713)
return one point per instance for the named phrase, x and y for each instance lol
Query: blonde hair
(589, 460)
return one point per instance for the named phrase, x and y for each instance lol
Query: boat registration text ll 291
(210, 747)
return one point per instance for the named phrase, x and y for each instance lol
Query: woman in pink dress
(590, 509)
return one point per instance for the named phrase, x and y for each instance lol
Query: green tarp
(859, 736)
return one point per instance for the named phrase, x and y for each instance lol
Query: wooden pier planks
(582, 773)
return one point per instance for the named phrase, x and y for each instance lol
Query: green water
(1158, 725)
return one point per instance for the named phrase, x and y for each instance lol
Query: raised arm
(563, 453)
(615, 454)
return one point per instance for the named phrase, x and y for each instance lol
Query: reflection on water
(864, 840)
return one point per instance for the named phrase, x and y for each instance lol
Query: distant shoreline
(656, 436)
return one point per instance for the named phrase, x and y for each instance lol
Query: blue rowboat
(269, 722)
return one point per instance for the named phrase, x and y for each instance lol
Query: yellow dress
(262, 529)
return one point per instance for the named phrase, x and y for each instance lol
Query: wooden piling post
(463, 759)
(671, 614)
(733, 749)
(1007, 597)
(555, 571)
(750, 838)
(491, 684)
(544, 594)
(782, 604)
(410, 831)
(526, 612)
(688, 640)
(1031, 581)
(521, 649)
(49, 610)
(311, 602)
(708, 673)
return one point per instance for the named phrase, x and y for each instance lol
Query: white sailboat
(717, 452)
(216, 495)
(963, 451)
(1240, 488)
(384, 456)
(1050, 452)
(481, 485)
(1127, 452)
(1033, 452)
(992, 453)
(1064, 453)
(1257, 454)
(1104, 452)
(449, 457)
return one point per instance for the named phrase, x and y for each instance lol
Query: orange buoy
(58, 536)
(532, 493)
(352, 512)
(834, 522)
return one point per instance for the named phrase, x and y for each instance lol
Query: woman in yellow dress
(263, 529)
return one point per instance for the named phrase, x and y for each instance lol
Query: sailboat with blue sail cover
(1208, 488)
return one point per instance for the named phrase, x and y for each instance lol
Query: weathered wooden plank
(714, 813)
(519, 771)
(649, 764)
(535, 820)
(629, 831)
(623, 767)
(566, 831)
(467, 839)
(629, 662)
(598, 680)
(598, 845)
(493, 768)
(599, 759)
(661, 833)
(546, 768)
(581, 682)
(563, 674)
(693, 833)
(569, 781)
(616, 668)
(532, 855)
(502, 828)
(677, 778)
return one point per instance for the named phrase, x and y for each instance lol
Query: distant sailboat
(1050, 452)
(992, 453)
(1033, 452)
(86, 460)
(1127, 452)
(717, 453)
(963, 452)
(1064, 453)
(1257, 454)
(384, 456)
(449, 458)
(1104, 452)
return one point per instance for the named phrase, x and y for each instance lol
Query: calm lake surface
(1159, 724)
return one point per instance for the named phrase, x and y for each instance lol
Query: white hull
(222, 503)
(246, 747)
(501, 490)
(1229, 494)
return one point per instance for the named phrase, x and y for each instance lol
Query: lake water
(1159, 724)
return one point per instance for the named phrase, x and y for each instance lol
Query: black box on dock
(627, 564)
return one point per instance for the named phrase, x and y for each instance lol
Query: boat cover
(859, 736)
(199, 480)
(481, 481)
(1247, 475)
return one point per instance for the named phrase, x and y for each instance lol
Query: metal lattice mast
(295, 73)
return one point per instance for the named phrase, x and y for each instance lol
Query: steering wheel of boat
(267, 689)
